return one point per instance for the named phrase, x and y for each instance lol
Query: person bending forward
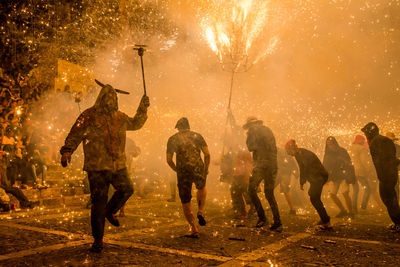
(311, 170)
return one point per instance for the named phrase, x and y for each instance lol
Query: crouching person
(102, 130)
(311, 170)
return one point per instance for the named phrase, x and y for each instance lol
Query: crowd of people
(370, 163)
(27, 147)
(21, 160)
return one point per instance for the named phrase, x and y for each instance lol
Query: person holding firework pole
(102, 130)
(311, 170)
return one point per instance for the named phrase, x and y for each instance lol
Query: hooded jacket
(338, 163)
(102, 129)
(383, 153)
(311, 168)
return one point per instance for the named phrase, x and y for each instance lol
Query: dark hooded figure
(383, 152)
(261, 142)
(102, 130)
(338, 163)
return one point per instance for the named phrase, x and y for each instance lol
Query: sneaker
(97, 246)
(277, 227)
(342, 214)
(201, 219)
(261, 223)
(112, 219)
(292, 212)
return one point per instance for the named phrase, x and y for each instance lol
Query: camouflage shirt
(103, 134)
(187, 146)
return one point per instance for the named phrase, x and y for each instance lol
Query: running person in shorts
(190, 168)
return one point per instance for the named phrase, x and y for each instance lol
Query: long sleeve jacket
(311, 168)
(261, 141)
(383, 152)
(103, 135)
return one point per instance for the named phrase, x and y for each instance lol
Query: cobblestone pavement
(152, 233)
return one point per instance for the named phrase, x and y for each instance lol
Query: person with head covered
(102, 130)
(383, 153)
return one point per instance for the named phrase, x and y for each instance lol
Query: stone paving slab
(340, 253)
(213, 240)
(113, 255)
(364, 232)
(13, 239)
(81, 225)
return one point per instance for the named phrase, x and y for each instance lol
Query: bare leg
(289, 200)
(187, 210)
(201, 200)
(347, 199)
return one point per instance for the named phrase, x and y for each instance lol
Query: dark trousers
(239, 195)
(389, 198)
(268, 175)
(315, 197)
(3, 205)
(18, 194)
(366, 184)
(99, 184)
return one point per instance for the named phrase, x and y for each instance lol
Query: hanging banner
(73, 78)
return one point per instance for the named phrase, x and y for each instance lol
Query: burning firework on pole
(239, 33)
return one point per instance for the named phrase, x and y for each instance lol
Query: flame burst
(239, 32)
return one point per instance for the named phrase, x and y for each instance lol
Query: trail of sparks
(239, 33)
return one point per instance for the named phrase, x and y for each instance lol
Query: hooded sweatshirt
(338, 163)
(102, 129)
(383, 153)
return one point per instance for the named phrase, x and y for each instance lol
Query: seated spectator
(38, 167)
(9, 189)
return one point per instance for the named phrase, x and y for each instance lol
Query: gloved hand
(65, 159)
(144, 102)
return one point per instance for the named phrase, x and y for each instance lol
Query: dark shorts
(185, 181)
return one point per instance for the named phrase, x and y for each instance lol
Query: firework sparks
(239, 32)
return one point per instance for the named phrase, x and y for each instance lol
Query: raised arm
(140, 117)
